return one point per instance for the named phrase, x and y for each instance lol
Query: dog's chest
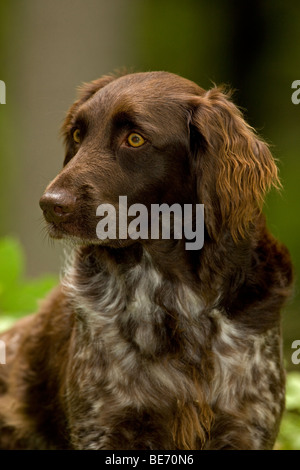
(130, 332)
(139, 337)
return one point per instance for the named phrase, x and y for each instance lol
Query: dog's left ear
(234, 168)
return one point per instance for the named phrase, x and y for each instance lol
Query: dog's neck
(140, 325)
(128, 288)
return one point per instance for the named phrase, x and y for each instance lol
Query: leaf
(6, 322)
(293, 391)
(289, 437)
(19, 296)
(11, 262)
(24, 297)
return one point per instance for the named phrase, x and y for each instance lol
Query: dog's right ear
(85, 92)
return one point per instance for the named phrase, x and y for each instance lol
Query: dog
(144, 344)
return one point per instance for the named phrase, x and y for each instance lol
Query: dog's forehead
(153, 92)
(150, 85)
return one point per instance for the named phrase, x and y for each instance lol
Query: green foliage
(18, 296)
(289, 436)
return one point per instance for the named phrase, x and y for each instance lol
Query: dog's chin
(54, 231)
(78, 238)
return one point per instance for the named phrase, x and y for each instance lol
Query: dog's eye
(135, 140)
(76, 136)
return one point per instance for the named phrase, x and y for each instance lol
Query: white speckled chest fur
(118, 372)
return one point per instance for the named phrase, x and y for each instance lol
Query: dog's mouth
(69, 217)
(74, 228)
(69, 226)
(58, 231)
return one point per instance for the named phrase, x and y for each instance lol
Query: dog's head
(157, 138)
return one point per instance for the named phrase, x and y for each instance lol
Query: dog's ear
(234, 168)
(85, 92)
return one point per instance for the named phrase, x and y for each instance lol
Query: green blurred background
(48, 48)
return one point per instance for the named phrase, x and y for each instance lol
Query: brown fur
(146, 345)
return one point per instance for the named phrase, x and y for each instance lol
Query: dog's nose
(57, 206)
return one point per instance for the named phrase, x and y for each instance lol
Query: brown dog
(145, 344)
